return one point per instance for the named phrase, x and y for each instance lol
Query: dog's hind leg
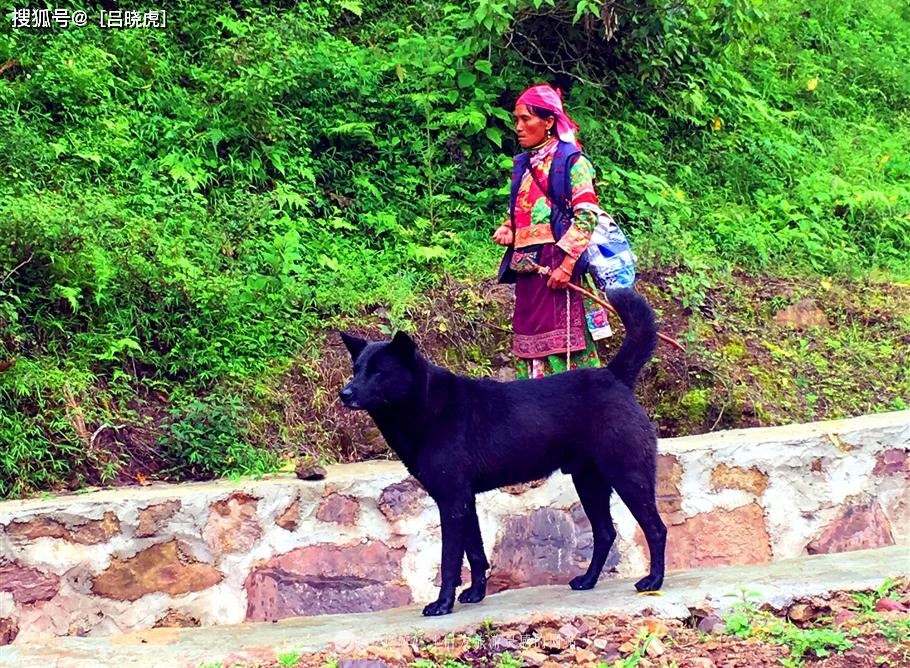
(594, 492)
(636, 489)
(473, 546)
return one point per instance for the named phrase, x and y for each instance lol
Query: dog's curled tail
(641, 334)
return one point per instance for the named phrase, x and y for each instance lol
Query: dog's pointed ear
(403, 346)
(354, 345)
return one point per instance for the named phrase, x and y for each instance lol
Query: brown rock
(370, 443)
(716, 538)
(552, 640)
(548, 546)
(669, 477)
(307, 470)
(160, 568)
(397, 652)
(801, 612)
(174, 619)
(339, 508)
(585, 656)
(569, 632)
(802, 315)
(94, 532)
(734, 477)
(27, 585)
(81, 530)
(707, 624)
(533, 657)
(859, 526)
(892, 462)
(890, 605)
(362, 663)
(152, 518)
(701, 662)
(232, 525)
(290, 518)
(655, 648)
(325, 579)
(501, 360)
(401, 500)
(9, 629)
(39, 527)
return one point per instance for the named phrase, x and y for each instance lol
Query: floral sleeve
(575, 240)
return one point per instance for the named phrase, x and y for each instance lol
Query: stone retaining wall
(367, 537)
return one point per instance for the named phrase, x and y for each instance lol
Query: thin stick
(607, 305)
(17, 268)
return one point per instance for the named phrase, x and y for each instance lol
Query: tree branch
(17, 268)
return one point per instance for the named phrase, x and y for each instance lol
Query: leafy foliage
(206, 439)
(745, 620)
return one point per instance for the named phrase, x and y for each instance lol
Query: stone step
(777, 583)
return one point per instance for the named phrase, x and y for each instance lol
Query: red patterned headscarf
(547, 97)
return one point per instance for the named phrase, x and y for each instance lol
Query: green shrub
(207, 439)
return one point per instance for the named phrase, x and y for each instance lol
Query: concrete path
(778, 583)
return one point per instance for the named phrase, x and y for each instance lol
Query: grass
(822, 638)
(750, 629)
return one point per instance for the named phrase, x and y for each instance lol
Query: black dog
(460, 436)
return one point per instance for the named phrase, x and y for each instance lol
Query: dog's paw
(437, 608)
(650, 583)
(582, 582)
(473, 594)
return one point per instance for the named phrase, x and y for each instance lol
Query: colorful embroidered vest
(559, 192)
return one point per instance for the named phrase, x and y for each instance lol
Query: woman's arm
(576, 239)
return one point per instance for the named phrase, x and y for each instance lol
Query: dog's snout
(347, 397)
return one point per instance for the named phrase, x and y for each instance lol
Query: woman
(548, 230)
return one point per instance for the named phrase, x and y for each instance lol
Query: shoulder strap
(560, 181)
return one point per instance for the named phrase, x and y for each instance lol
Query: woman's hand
(560, 277)
(504, 235)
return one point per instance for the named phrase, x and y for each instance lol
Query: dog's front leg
(452, 515)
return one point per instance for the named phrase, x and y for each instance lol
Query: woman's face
(530, 129)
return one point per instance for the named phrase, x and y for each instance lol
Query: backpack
(608, 257)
